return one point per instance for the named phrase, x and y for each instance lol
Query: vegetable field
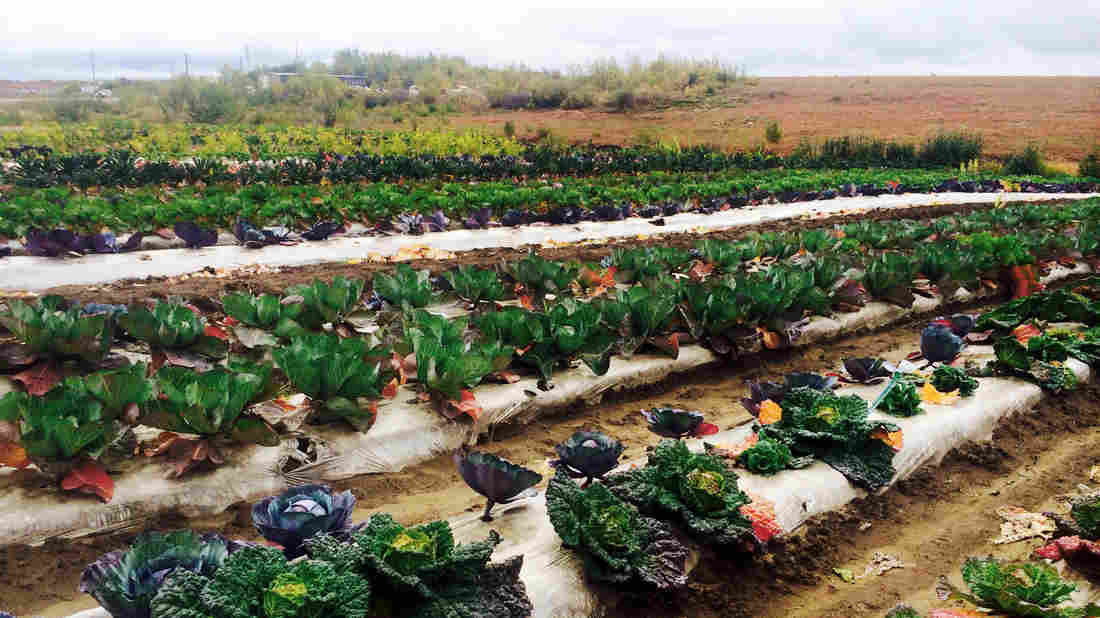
(616, 424)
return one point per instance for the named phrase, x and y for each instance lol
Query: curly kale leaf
(496, 592)
(698, 489)
(836, 430)
(947, 379)
(1032, 590)
(617, 545)
(258, 581)
(767, 456)
(1085, 511)
(901, 400)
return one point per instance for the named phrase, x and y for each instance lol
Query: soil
(43, 580)
(1063, 113)
(205, 285)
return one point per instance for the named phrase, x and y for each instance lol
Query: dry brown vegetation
(1060, 114)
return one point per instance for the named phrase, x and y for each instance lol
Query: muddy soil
(212, 284)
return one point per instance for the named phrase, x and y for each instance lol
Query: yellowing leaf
(892, 439)
(929, 394)
(13, 455)
(770, 412)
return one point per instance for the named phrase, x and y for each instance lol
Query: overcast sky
(52, 40)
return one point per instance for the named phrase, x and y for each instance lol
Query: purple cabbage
(195, 236)
(300, 513)
(677, 423)
(867, 370)
(588, 455)
(322, 230)
(478, 219)
(125, 582)
(939, 345)
(499, 480)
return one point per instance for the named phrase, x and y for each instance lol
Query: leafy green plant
(405, 286)
(125, 583)
(333, 372)
(540, 276)
(263, 311)
(889, 277)
(446, 363)
(836, 430)
(1013, 358)
(1017, 589)
(617, 544)
(649, 313)
(259, 582)
(422, 571)
(311, 306)
(210, 405)
(948, 379)
(476, 285)
(766, 457)
(698, 490)
(47, 328)
(171, 325)
(901, 399)
(1085, 511)
(62, 425)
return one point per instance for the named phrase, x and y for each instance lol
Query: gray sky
(51, 40)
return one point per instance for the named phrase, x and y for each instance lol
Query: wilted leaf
(12, 455)
(90, 477)
(39, 379)
(1024, 332)
(254, 337)
(772, 340)
(467, 405)
(770, 412)
(929, 394)
(846, 574)
(893, 439)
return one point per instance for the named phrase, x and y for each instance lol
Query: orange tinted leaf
(39, 379)
(929, 394)
(770, 412)
(391, 389)
(1024, 332)
(214, 331)
(12, 455)
(957, 613)
(892, 439)
(468, 405)
(90, 477)
(772, 340)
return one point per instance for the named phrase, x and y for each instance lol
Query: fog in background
(783, 37)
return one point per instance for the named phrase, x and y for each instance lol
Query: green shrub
(1028, 161)
(509, 129)
(213, 103)
(773, 133)
(624, 100)
(1090, 165)
(951, 149)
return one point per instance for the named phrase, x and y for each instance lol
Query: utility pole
(187, 65)
(92, 54)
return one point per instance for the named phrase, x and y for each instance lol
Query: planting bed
(553, 575)
(35, 273)
(563, 351)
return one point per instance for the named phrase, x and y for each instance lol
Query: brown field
(1060, 114)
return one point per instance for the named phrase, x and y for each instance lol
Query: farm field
(1009, 111)
(450, 373)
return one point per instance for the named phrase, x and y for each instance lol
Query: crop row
(244, 142)
(43, 168)
(622, 524)
(725, 295)
(566, 200)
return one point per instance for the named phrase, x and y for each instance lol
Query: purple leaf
(499, 480)
(322, 230)
(195, 236)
